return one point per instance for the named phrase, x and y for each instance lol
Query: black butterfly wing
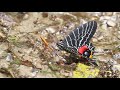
(67, 45)
(89, 30)
(79, 37)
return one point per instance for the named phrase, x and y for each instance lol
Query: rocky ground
(28, 43)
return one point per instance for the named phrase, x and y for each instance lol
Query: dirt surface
(28, 43)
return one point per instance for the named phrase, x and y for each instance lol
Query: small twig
(43, 39)
(11, 73)
(7, 72)
(45, 42)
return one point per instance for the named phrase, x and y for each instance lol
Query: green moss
(13, 39)
(16, 61)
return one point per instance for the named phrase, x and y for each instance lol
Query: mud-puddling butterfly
(77, 42)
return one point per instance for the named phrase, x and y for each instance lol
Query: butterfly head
(85, 52)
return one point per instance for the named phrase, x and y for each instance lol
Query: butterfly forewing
(89, 30)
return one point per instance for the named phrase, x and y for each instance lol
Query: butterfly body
(82, 49)
(77, 42)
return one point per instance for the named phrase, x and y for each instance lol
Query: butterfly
(78, 41)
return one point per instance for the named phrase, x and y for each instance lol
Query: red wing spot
(82, 49)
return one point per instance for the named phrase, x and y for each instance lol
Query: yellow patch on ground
(84, 71)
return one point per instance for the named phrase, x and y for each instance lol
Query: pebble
(2, 35)
(37, 64)
(34, 72)
(111, 23)
(94, 18)
(116, 67)
(104, 26)
(56, 58)
(102, 59)
(95, 13)
(50, 63)
(99, 50)
(9, 57)
(82, 21)
(50, 30)
(108, 13)
(94, 40)
(57, 33)
(44, 33)
(104, 18)
(114, 18)
(101, 37)
(26, 16)
(118, 32)
(59, 20)
(116, 56)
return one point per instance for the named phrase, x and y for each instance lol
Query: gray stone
(50, 30)
(9, 57)
(104, 18)
(111, 23)
(26, 16)
(116, 56)
(108, 13)
(116, 67)
(104, 26)
(94, 40)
